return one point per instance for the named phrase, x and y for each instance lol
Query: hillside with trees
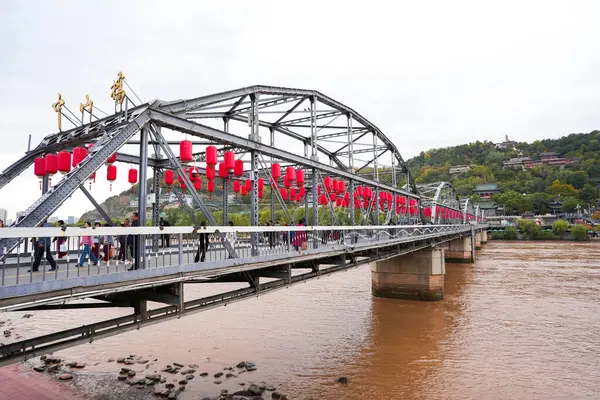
(520, 190)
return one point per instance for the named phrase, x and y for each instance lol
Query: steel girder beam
(369, 150)
(113, 138)
(344, 133)
(299, 137)
(187, 105)
(353, 142)
(374, 159)
(180, 124)
(329, 114)
(95, 203)
(291, 110)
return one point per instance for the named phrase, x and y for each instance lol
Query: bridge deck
(177, 264)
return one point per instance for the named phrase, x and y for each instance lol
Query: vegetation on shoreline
(529, 230)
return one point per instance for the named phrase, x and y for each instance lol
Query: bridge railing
(115, 249)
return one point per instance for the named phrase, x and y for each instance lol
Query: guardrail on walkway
(116, 247)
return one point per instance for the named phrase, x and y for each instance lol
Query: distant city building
(506, 145)
(3, 214)
(459, 169)
(486, 190)
(71, 219)
(20, 215)
(52, 220)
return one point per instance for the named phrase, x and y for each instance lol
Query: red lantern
(211, 156)
(238, 168)
(132, 177)
(302, 191)
(298, 198)
(318, 189)
(79, 154)
(292, 192)
(260, 194)
(210, 186)
(359, 190)
(261, 184)
(236, 186)
(336, 185)
(356, 204)
(289, 174)
(229, 159)
(332, 197)
(185, 151)
(194, 175)
(300, 178)
(112, 159)
(198, 184)
(248, 185)
(323, 199)
(169, 178)
(182, 184)
(286, 182)
(223, 172)
(341, 186)
(276, 171)
(39, 169)
(338, 201)
(284, 193)
(327, 182)
(64, 162)
(244, 190)
(210, 173)
(111, 174)
(51, 164)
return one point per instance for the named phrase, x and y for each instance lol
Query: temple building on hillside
(547, 158)
(506, 145)
(486, 190)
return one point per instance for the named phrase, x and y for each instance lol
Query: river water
(523, 322)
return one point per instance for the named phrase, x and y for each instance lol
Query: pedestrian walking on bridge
(88, 243)
(42, 245)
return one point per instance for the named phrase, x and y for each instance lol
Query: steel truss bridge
(262, 125)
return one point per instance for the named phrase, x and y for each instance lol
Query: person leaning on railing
(42, 245)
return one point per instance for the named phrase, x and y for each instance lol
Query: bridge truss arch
(438, 196)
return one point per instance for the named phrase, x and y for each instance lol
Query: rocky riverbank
(140, 378)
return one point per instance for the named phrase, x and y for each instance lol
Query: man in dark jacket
(42, 245)
(135, 221)
(164, 238)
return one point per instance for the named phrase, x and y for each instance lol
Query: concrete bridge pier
(483, 237)
(461, 250)
(478, 237)
(414, 276)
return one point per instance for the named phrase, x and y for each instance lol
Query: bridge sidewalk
(20, 383)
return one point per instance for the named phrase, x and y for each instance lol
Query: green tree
(562, 189)
(513, 202)
(511, 233)
(579, 232)
(570, 205)
(560, 227)
(530, 229)
(589, 193)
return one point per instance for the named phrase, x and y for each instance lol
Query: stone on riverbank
(342, 380)
(218, 375)
(39, 368)
(65, 377)
(204, 374)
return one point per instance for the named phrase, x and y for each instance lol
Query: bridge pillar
(415, 276)
(460, 250)
(483, 237)
(478, 236)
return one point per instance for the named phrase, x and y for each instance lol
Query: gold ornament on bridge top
(58, 108)
(118, 94)
(88, 104)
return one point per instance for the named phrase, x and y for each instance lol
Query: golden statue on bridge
(117, 92)
(58, 108)
(87, 106)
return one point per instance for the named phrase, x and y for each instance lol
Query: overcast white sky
(429, 74)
